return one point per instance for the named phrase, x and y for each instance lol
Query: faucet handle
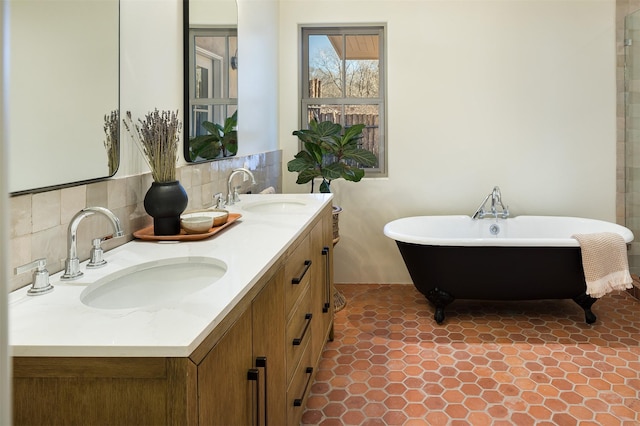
(505, 212)
(219, 200)
(236, 196)
(96, 253)
(40, 283)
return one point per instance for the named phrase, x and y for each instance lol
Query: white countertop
(59, 324)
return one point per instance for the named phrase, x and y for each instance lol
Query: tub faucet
(72, 263)
(232, 197)
(496, 203)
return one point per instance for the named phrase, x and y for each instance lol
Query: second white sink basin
(278, 205)
(153, 283)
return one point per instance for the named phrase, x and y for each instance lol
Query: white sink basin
(153, 283)
(278, 205)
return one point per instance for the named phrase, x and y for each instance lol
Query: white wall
(258, 76)
(519, 94)
(150, 66)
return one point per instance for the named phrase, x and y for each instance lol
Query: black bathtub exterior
(446, 273)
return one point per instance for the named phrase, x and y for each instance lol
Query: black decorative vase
(165, 202)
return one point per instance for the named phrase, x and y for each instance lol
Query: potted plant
(221, 139)
(330, 152)
(157, 137)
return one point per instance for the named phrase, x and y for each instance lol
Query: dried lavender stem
(157, 136)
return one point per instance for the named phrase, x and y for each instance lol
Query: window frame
(305, 101)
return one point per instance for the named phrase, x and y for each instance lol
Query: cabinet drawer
(298, 332)
(299, 388)
(297, 271)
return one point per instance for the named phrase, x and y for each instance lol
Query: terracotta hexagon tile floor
(489, 363)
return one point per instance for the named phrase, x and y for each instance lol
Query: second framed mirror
(211, 80)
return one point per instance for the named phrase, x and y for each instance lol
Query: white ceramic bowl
(195, 221)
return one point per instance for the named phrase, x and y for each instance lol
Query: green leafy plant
(330, 152)
(222, 140)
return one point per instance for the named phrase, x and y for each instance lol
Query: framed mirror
(211, 79)
(63, 97)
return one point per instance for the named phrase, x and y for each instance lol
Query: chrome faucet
(232, 197)
(496, 202)
(72, 263)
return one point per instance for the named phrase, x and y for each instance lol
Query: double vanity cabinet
(254, 366)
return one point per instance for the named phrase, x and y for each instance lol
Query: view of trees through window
(344, 81)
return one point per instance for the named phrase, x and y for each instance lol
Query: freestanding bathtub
(520, 258)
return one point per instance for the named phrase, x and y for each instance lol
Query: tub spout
(498, 209)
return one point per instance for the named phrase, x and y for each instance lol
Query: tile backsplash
(39, 221)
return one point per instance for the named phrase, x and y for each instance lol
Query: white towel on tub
(605, 264)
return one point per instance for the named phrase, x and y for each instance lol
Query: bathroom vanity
(243, 350)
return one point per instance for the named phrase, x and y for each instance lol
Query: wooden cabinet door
(322, 284)
(225, 394)
(269, 350)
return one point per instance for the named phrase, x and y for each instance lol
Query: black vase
(165, 202)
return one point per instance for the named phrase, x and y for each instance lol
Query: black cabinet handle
(261, 362)
(298, 401)
(254, 375)
(298, 340)
(298, 280)
(327, 281)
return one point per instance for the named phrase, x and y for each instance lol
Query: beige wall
(519, 94)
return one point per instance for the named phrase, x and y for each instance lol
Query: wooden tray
(147, 233)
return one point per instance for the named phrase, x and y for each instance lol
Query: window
(212, 92)
(344, 82)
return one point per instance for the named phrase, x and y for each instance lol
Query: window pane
(368, 115)
(362, 66)
(322, 113)
(202, 82)
(325, 67)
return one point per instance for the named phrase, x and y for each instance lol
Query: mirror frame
(186, 63)
(99, 178)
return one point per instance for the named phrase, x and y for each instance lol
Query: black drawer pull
(298, 401)
(254, 375)
(298, 340)
(298, 280)
(261, 362)
(327, 281)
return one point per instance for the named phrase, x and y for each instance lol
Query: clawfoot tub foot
(440, 299)
(585, 301)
